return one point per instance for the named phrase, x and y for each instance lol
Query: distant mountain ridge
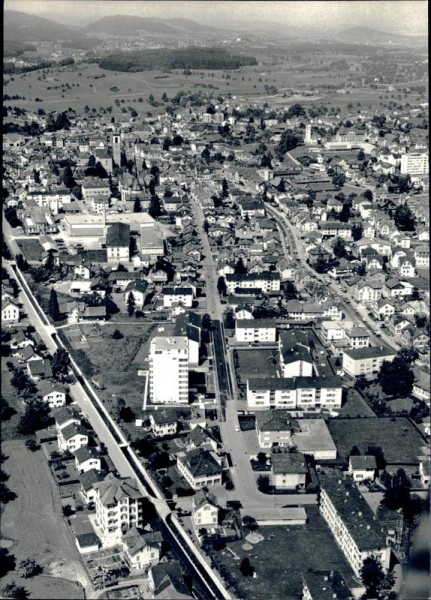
(23, 27)
(124, 24)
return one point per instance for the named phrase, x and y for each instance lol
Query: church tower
(116, 149)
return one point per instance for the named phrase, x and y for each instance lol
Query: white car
(237, 428)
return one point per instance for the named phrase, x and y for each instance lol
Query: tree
(117, 335)
(240, 268)
(53, 306)
(60, 364)
(68, 178)
(372, 575)
(408, 355)
(137, 206)
(339, 248)
(6, 411)
(35, 417)
(246, 568)
(404, 218)
(249, 523)
(263, 483)
(396, 377)
(296, 110)
(14, 591)
(379, 455)
(28, 568)
(290, 291)
(155, 209)
(221, 286)
(398, 486)
(360, 269)
(207, 322)
(131, 304)
(21, 262)
(23, 384)
(6, 495)
(355, 451)
(224, 189)
(32, 445)
(7, 562)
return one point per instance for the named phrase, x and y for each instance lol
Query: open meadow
(33, 527)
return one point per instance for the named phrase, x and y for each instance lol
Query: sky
(405, 17)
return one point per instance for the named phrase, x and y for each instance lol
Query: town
(215, 341)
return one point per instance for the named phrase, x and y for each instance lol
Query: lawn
(257, 362)
(278, 561)
(397, 436)
(31, 249)
(8, 426)
(35, 525)
(116, 362)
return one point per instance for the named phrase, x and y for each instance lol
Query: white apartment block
(414, 164)
(119, 505)
(365, 361)
(300, 393)
(172, 296)
(268, 281)
(352, 522)
(53, 200)
(256, 330)
(169, 370)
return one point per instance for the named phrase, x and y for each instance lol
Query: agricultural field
(280, 557)
(33, 526)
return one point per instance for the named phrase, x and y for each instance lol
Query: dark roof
(289, 462)
(168, 578)
(266, 275)
(72, 430)
(65, 414)
(84, 453)
(177, 290)
(167, 415)
(292, 383)
(118, 234)
(88, 539)
(370, 352)
(354, 511)
(327, 585)
(255, 323)
(363, 462)
(275, 420)
(201, 463)
(89, 478)
(40, 367)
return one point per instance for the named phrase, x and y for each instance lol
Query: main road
(344, 299)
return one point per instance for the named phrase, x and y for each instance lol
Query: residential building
(267, 281)
(164, 422)
(256, 330)
(151, 243)
(169, 356)
(119, 505)
(358, 337)
(72, 437)
(414, 164)
(325, 585)
(141, 548)
(166, 581)
(352, 522)
(200, 468)
(204, 510)
(296, 393)
(274, 428)
(118, 243)
(86, 459)
(288, 471)
(52, 394)
(9, 312)
(362, 468)
(366, 361)
(66, 416)
(174, 296)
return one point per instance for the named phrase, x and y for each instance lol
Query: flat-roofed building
(169, 370)
(151, 243)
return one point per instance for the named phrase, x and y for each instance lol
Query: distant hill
(368, 35)
(24, 28)
(125, 24)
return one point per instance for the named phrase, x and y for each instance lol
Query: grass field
(8, 426)
(278, 561)
(35, 525)
(397, 436)
(116, 362)
(31, 249)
